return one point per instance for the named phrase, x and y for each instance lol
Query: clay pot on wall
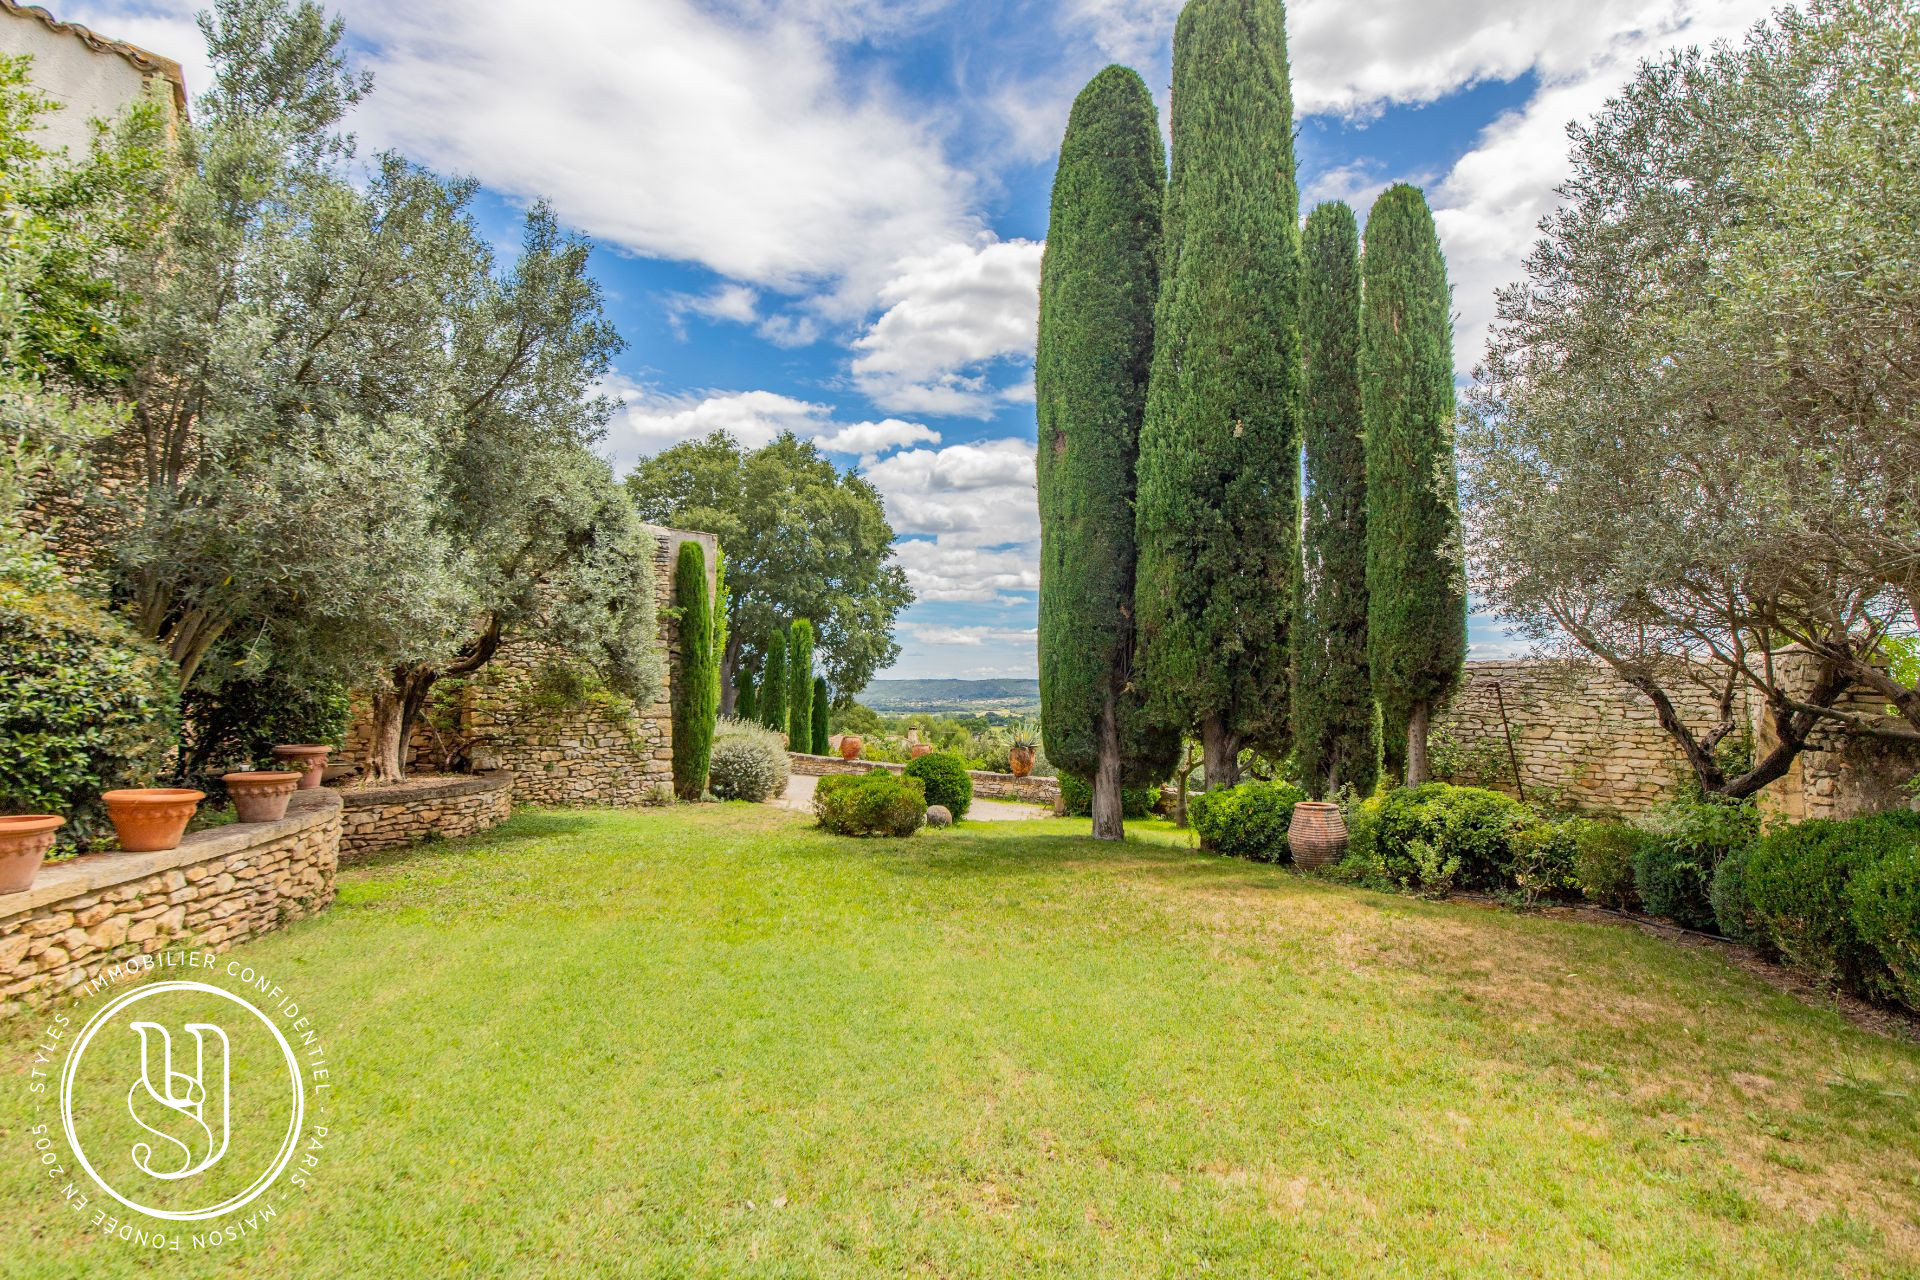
(312, 759)
(850, 747)
(1020, 760)
(151, 819)
(24, 841)
(1317, 834)
(921, 749)
(261, 797)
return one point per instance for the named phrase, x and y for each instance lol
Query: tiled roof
(146, 63)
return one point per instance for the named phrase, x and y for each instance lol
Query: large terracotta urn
(851, 746)
(1317, 834)
(261, 797)
(151, 819)
(310, 758)
(1020, 760)
(24, 842)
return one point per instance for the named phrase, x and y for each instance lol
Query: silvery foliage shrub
(749, 762)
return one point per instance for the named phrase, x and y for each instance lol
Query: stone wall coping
(93, 872)
(468, 784)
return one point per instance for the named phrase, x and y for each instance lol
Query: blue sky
(827, 215)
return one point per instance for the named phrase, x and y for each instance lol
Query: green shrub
(1603, 861)
(1473, 830)
(1247, 821)
(1884, 902)
(1545, 862)
(946, 781)
(1076, 799)
(749, 762)
(85, 705)
(1733, 905)
(1685, 843)
(1800, 881)
(239, 723)
(871, 804)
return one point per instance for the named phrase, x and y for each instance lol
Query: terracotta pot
(850, 747)
(261, 797)
(24, 841)
(1020, 761)
(310, 758)
(1317, 834)
(921, 749)
(151, 819)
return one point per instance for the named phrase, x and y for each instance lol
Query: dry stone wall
(378, 818)
(221, 886)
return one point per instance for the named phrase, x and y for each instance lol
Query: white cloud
(944, 573)
(941, 636)
(969, 518)
(648, 423)
(947, 319)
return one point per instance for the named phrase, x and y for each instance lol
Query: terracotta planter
(24, 841)
(151, 819)
(1020, 761)
(1317, 834)
(313, 759)
(921, 749)
(850, 747)
(261, 797)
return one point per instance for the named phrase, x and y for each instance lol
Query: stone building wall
(1838, 775)
(379, 818)
(221, 886)
(986, 786)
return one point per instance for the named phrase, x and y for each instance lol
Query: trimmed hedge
(871, 804)
(86, 705)
(946, 780)
(1802, 882)
(1686, 842)
(1438, 836)
(1076, 799)
(1884, 903)
(1247, 821)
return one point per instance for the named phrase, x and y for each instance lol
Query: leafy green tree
(800, 684)
(804, 541)
(1098, 286)
(1416, 581)
(773, 682)
(696, 692)
(1333, 692)
(1218, 520)
(1691, 443)
(822, 718)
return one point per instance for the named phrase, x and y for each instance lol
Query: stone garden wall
(379, 818)
(986, 786)
(221, 886)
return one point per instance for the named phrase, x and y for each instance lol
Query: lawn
(717, 1043)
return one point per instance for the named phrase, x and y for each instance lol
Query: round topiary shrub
(749, 762)
(1800, 882)
(86, 705)
(947, 781)
(870, 804)
(1686, 843)
(1884, 901)
(1076, 799)
(1247, 821)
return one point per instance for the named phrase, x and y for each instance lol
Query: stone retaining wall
(221, 886)
(379, 818)
(986, 786)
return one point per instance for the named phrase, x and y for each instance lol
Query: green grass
(717, 1043)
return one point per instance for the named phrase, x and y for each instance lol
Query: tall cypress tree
(822, 718)
(1098, 286)
(1416, 583)
(1219, 488)
(746, 697)
(1333, 693)
(800, 685)
(696, 688)
(773, 682)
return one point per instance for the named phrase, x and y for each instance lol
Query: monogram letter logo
(180, 1108)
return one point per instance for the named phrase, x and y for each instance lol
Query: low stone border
(986, 786)
(378, 818)
(221, 886)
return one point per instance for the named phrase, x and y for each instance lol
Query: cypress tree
(773, 682)
(1333, 693)
(1219, 487)
(822, 716)
(696, 691)
(1416, 584)
(746, 702)
(1099, 283)
(800, 685)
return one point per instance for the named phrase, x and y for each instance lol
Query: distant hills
(893, 697)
